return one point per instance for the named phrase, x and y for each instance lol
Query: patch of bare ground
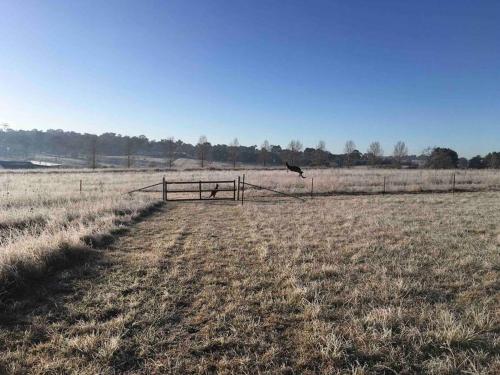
(385, 284)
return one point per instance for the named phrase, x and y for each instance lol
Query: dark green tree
(442, 158)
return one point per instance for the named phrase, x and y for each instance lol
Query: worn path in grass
(381, 284)
(183, 291)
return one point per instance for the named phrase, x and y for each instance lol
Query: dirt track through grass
(405, 284)
(170, 296)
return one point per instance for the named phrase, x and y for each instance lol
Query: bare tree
(400, 152)
(320, 154)
(295, 147)
(129, 150)
(233, 151)
(265, 150)
(202, 147)
(93, 151)
(374, 152)
(349, 148)
(170, 150)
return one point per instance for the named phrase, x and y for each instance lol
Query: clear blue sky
(426, 72)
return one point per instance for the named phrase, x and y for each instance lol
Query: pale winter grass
(325, 180)
(42, 210)
(43, 214)
(336, 285)
(407, 283)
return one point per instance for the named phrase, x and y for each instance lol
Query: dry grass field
(43, 215)
(405, 283)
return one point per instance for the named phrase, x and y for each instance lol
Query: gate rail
(200, 190)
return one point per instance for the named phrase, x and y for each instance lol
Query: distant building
(21, 164)
(45, 164)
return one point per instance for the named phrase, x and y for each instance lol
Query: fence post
(384, 186)
(200, 190)
(312, 187)
(243, 190)
(80, 186)
(234, 190)
(164, 193)
(453, 188)
(239, 188)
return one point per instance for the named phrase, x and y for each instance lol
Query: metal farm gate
(172, 189)
(199, 190)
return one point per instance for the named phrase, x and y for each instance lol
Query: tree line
(26, 144)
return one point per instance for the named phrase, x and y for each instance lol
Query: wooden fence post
(200, 190)
(453, 188)
(239, 188)
(164, 195)
(312, 187)
(384, 185)
(243, 190)
(80, 186)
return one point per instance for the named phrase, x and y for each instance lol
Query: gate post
(164, 191)
(243, 190)
(239, 188)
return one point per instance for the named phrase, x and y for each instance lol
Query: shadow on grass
(270, 201)
(228, 203)
(39, 296)
(28, 280)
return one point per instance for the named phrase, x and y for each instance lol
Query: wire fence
(240, 189)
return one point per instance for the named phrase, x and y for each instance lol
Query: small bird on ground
(214, 191)
(294, 168)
